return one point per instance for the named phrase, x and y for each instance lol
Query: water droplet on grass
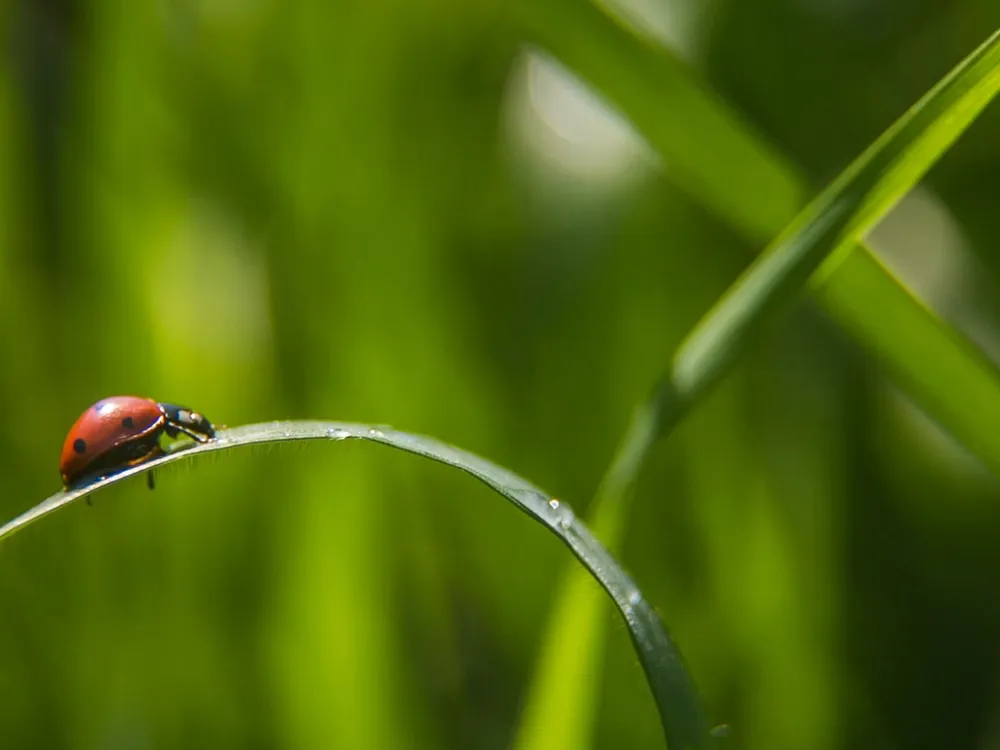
(567, 517)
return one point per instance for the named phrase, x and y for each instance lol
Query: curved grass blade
(560, 711)
(669, 681)
(834, 222)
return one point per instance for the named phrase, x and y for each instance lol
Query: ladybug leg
(197, 436)
(141, 458)
(154, 451)
(150, 475)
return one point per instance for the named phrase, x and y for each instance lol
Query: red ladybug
(123, 431)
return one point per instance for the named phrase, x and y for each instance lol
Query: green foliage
(721, 162)
(307, 209)
(834, 221)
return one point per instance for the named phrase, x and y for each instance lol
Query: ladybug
(124, 431)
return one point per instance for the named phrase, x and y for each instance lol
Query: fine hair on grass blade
(672, 688)
(832, 223)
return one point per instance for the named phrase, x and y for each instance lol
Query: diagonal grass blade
(835, 221)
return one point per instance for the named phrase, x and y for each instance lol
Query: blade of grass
(560, 708)
(833, 222)
(906, 333)
(669, 681)
(705, 146)
(720, 160)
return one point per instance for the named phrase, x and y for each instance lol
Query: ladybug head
(188, 421)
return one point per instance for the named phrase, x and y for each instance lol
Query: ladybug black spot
(128, 422)
(80, 445)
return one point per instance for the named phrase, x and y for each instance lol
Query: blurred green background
(397, 212)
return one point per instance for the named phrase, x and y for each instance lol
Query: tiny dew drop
(567, 518)
(634, 598)
(338, 433)
(376, 433)
(554, 504)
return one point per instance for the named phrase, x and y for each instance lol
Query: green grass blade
(840, 215)
(904, 333)
(721, 161)
(864, 192)
(559, 711)
(706, 148)
(686, 125)
(669, 681)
